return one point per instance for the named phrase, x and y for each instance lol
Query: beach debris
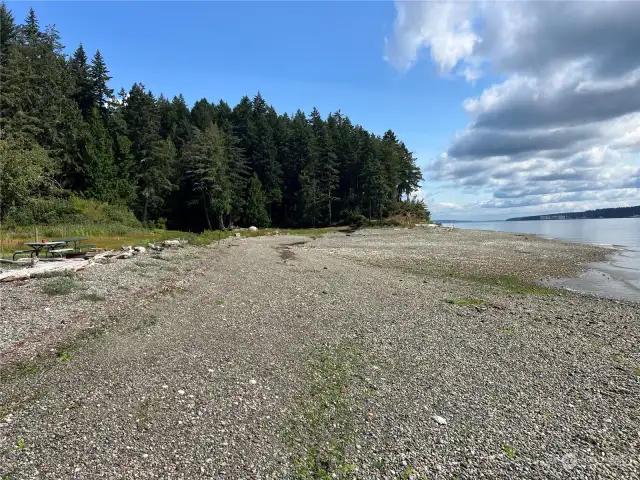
(49, 268)
(439, 420)
(178, 242)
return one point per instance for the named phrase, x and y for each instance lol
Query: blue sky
(331, 55)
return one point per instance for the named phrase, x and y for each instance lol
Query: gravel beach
(392, 353)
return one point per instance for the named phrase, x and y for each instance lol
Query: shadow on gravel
(285, 249)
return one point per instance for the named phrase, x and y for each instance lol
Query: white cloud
(562, 129)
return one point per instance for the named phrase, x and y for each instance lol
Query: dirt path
(315, 361)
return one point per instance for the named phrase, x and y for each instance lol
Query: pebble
(438, 419)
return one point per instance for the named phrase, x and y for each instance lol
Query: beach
(380, 353)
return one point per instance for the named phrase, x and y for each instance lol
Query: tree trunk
(146, 209)
(221, 222)
(206, 211)
(329, 206)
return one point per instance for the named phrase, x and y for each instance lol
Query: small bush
(59, 286)
(354, 218)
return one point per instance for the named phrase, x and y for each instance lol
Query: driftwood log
(48, 268)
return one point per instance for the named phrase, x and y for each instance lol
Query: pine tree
(31, 28)
(84, 91)
(206, 166)
(99, 75)
(256, 212)
(60, 125)
(99, 167)
(8, 33)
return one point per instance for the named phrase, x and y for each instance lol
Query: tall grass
(112, 235)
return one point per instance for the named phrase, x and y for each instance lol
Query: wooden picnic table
(74, 240)
(38, 247)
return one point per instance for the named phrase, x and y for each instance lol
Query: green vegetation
(64, 356)
(93, 297)
(509, 450)
(73, 153)
(637, 372)
(14, 371)
(466, 302)
(63, 285)
(147, 322)
(512, 284)
(324, 425)
(19, 444)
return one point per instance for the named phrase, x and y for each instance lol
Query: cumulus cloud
(561, 126)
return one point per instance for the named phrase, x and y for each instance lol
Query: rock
(253, 229)
(237, 235)
(253, 381)
(125, 255)
(181, 392)
(438, 419)
(171, 243)
(140, 249)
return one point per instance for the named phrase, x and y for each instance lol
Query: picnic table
(70, 240)
(55, 246)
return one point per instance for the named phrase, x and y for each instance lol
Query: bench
(60, 251)
(88, 245)
(19, 252)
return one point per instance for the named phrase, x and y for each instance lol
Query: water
(619, 277)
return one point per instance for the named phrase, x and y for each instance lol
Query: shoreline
(600, 278)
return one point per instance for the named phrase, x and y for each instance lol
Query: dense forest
(67, 139)
(617, 212)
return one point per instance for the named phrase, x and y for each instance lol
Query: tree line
(65, 133)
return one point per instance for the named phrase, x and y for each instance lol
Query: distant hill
(620, 212)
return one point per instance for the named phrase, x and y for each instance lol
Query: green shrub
(59, 286)
(53, 211)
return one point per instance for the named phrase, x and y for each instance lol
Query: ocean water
(619, 277)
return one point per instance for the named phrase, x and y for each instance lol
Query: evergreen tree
(206, 165)
(60, 125)
(8, 33)
(84, 91)
(99, 80)
(256, 212)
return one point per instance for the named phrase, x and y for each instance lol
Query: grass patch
(466, 302)
(18, 370)
(64, 356)
(59, 286)
(512, 284)
(637, 372)
(147, 322)
(323, 427)
(509, 450)
(93, 297)
(19, 444)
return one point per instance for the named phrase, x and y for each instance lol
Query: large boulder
(253, 229)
